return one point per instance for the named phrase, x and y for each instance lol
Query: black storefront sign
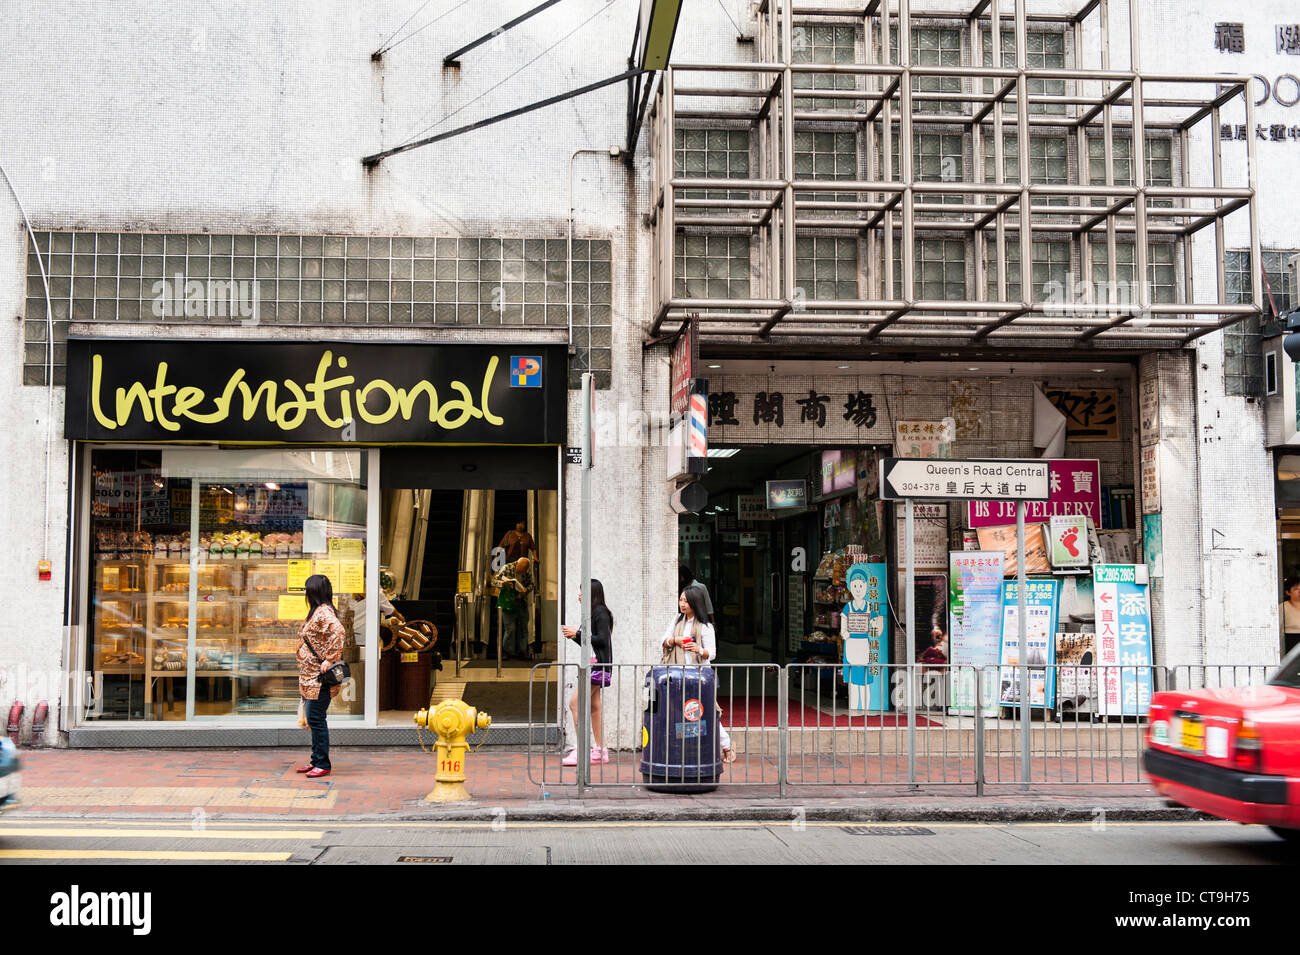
(319, 392)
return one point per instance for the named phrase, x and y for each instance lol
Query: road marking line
(145, 855)
(67, 833)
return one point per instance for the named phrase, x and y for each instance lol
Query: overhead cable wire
(423, 28)
(469, 103)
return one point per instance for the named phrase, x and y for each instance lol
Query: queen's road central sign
(943, 479)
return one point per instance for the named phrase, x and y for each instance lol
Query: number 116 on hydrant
(453, 721)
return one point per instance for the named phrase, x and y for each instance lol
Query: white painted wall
(253, 117)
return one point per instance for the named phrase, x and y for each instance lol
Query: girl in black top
(602, 629)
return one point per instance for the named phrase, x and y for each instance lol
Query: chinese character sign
(1123, 640)
(1230, 37)
(974, 626)
(1288, 38)
(1074, 488)
(799, 410)
(1091, 414)
(924, 439)
(1040, 641)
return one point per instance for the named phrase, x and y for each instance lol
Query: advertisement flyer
(1076, 658)
(1123, 640)
(1069, 540)
(1040, 640)
(864, 628)
(974, 627)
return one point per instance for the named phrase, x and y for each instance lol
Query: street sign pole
(584, 661)
(975, 479)
(1021, 626)
(909, 644)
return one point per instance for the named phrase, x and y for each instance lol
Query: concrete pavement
(391, 784)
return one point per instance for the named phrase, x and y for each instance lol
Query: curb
(783, 813)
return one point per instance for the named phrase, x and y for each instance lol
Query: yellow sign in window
(292, 606)
(352, 577)
(299, 571)
(341, 547)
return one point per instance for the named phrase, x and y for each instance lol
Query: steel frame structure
(885, 107)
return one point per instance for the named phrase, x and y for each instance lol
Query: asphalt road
(112, 842)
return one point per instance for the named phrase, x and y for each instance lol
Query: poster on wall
(929, 535)
(1151, 479)
(1123, 640)
(1076, 658)
(1075, 488)
(974, 628)
(1040, 642)
(1117, 546)
(1004, 539)
(1153, 545)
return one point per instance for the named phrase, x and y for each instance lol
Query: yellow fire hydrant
(452, 721)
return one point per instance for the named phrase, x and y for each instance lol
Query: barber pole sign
(697, 445)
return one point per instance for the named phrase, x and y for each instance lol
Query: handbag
(336, 674)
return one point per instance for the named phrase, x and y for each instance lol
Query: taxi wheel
(1290, 835)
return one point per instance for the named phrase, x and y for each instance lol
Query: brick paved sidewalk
(369, 782)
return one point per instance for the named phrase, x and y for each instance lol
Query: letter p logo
(525, 371)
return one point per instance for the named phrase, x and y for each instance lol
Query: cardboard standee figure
(862, 625)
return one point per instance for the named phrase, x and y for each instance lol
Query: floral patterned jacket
(326, 634)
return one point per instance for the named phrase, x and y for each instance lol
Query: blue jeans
(320, 733)
(514, 632)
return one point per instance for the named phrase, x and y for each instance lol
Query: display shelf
(237, 620)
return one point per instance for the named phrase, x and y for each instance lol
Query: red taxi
(1232, 753)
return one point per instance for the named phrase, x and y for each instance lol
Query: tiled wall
(316, 280)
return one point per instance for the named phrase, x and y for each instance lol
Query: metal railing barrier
(777, 730)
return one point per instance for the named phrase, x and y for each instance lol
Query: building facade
(835, 198)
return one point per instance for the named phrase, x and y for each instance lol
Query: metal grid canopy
(1005, 219)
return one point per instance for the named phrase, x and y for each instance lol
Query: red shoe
(305, 769)
(316, 772)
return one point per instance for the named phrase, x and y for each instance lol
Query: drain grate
(887, 830)
(443, 860)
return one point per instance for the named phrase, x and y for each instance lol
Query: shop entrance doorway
(780, 521)
(460, 527)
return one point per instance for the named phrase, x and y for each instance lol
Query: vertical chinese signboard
(1040, 641)
(683, 370)
(1123, 640)
(974, 627)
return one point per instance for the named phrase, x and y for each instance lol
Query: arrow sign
(976, 479)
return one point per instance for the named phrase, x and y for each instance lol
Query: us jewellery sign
(318, 392)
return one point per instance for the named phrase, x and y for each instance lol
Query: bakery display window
(197, 563)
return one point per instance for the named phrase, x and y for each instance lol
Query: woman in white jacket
(690, 640)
